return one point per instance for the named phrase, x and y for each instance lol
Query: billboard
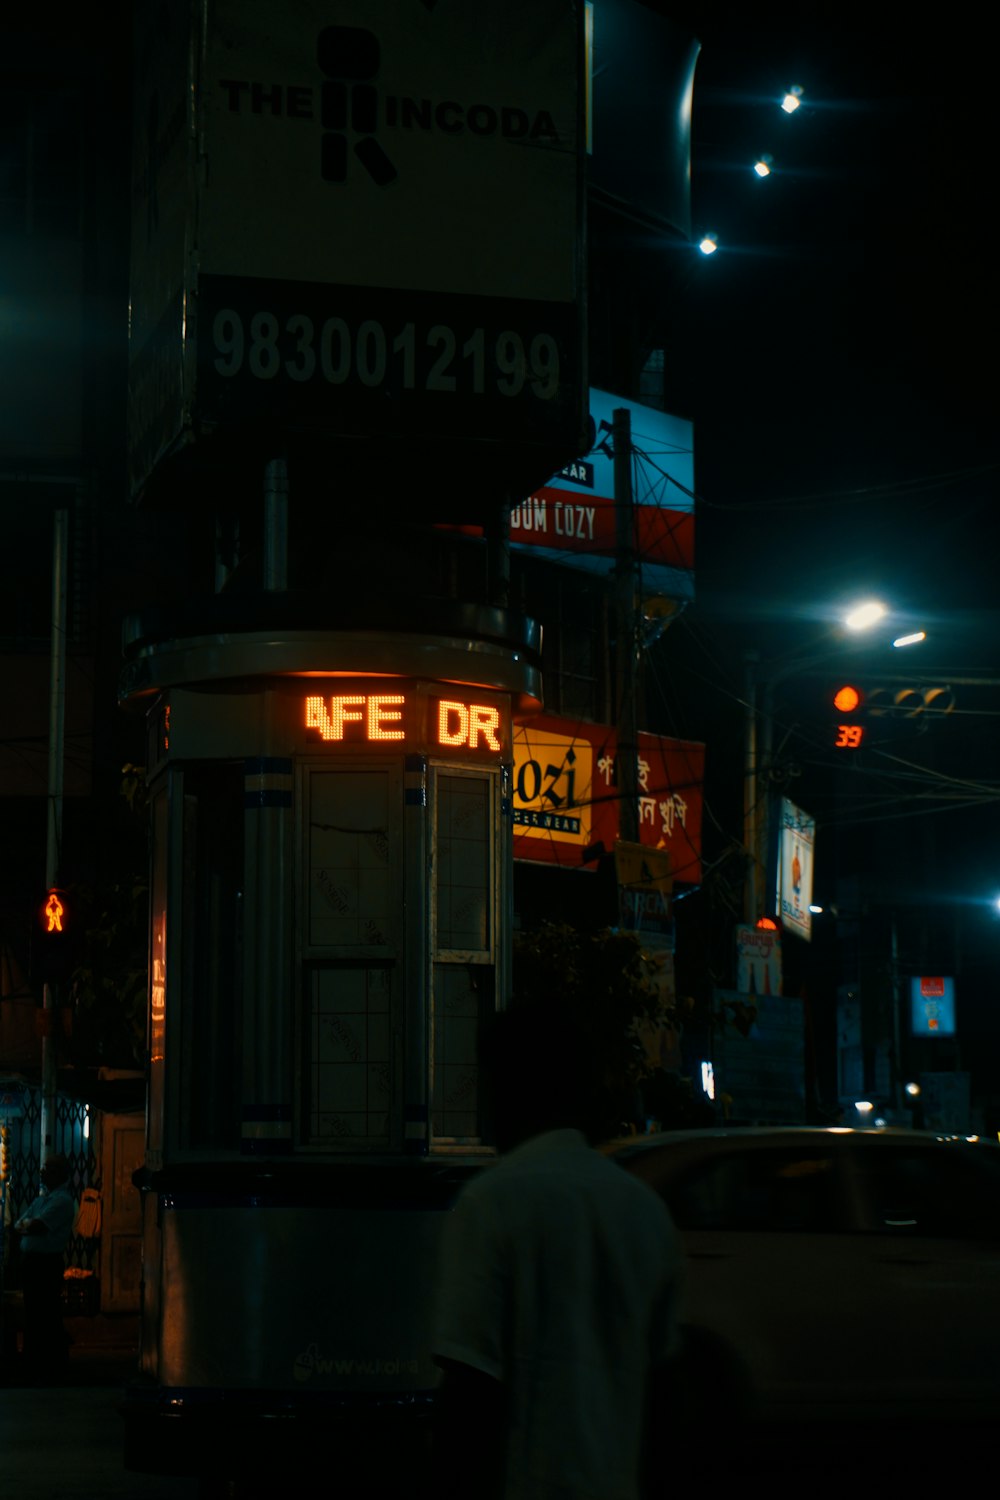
(758, 961)
(794, 891)
(932, 1006)
(571, 518)
(330, 204)
(566, 801)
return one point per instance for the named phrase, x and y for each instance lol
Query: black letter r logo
(349, 57)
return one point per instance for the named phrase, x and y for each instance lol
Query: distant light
(913, 1089)
(762, 166)
(708, 1079)
(792, 99)
(865, 615)
(815, 910)
(766, 924)
(708, 244)
(863, 1106)
(910, 640)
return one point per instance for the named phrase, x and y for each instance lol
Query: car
(835, 1273)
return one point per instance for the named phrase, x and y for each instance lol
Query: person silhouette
(556, 1316)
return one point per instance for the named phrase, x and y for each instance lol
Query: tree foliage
(613, 989)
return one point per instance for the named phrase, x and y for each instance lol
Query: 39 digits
(338, 352)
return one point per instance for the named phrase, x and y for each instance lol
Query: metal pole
(897, 1047)
(53, 841)
(275, 568)
(750, 790)
(626, 588)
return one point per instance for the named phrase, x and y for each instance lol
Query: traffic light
(849, 702)
(55, 937)
(890, 702)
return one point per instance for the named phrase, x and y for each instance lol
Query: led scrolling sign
(369, 719)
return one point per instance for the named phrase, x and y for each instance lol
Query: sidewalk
(64, 1442)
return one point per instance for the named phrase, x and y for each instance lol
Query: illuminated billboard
(404, 719)
(932, 1006)
(571, 519)
(566, 800)
(796, 847)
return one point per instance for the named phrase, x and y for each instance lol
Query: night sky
(836, 353)
(837, 358)
(837, 350)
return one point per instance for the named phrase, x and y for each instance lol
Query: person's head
(55, 1171)
(539, 1073)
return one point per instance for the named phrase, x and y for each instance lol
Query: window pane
(758, 1190)
(463, 994)
(349, 1054)
(463, 863)
(349, 869)
(941, 1191)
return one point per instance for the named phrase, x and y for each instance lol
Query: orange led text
(358, 716)
(467, 723)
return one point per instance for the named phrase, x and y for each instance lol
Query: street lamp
(864, 616)
(760, 680)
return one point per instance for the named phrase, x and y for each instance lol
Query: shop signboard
(566, 801)
(932, 1005)
(796, 847)
(758, 960)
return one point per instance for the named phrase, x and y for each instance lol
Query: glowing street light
(912, 639)
(762, 166)
(767, 679)
(708, 244)
(792, 99)
(864, 616)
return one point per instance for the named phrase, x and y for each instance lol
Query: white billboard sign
(383, 220)
(796, 847)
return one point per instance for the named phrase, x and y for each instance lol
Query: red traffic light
(847, 698)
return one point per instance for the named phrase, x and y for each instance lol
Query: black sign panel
(313, 357)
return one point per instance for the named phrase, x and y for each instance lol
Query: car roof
(746, 1137)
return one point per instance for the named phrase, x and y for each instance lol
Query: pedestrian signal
(55, 939)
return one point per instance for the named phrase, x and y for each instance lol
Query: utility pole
(751, 790)
(53, 839)
(626, 628)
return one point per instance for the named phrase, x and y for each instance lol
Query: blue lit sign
(932, 1006)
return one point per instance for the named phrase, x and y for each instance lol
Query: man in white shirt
(556, 1314)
